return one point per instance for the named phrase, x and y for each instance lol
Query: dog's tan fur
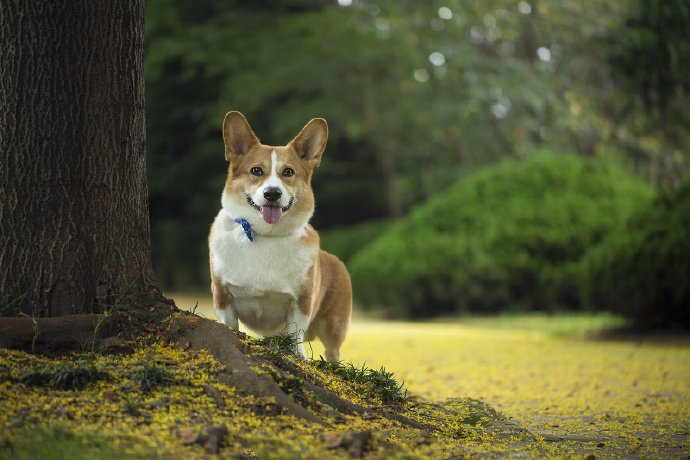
(324, 293)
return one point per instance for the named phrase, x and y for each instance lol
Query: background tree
(648, 54)
(74, 204)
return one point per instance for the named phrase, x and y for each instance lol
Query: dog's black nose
(272, 194)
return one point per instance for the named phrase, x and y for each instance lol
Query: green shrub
(643, 270)
(505, 238)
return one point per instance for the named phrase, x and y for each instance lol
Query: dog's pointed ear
(238, 135)
(311, 141)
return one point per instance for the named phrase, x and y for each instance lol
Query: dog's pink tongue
(271, 214)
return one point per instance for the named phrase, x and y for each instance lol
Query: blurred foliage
(506, 237)
(418, 96)
(641, 270)
(346, 242)
(650, 58)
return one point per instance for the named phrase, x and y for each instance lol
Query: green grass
(283, 343)
(65, 375)
(559, 324)
(375, 382)
(151, 375)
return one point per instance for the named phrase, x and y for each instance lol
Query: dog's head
(271, 186)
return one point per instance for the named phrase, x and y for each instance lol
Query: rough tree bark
(74, 230)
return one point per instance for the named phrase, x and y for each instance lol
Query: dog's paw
(301, 352)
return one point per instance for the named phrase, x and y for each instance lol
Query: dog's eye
(256, 171)
(288, 172)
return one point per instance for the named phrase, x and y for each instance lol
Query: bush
(643, 270)
(506, 238)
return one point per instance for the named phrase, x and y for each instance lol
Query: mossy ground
(574, 398)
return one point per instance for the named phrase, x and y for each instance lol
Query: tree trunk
(74, 230)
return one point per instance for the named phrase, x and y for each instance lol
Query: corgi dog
(267, 269)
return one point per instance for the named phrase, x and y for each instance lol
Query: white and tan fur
(281, 282)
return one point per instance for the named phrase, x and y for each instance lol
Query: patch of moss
(55, 443)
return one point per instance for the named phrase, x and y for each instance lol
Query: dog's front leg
(228, 316)
(297, 324)
(222, 303)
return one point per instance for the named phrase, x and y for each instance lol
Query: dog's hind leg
(332, 338)
(332, 353)
(331, 328)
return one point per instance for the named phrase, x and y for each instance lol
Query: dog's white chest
(264, 276)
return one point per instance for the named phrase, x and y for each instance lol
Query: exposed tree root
(80, 332)
(63, 333)
(224, 345)
(342, 405)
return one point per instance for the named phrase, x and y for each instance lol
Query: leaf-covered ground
(573, 397)
(611, 398)
(166, 401)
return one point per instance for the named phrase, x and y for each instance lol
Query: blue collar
(246, 227)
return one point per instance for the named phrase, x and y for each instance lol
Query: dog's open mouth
(270, 214)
